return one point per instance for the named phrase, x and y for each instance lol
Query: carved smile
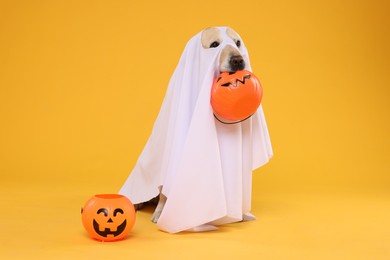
(107, 231)
(235, 83)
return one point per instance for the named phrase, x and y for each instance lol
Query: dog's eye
(214, 44)
(238, 43)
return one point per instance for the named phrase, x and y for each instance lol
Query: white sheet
(204, 166)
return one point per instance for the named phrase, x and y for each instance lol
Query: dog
(231, 60)
(196, 169)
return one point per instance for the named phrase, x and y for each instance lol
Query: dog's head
(229, 44)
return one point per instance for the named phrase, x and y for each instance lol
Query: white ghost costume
(202, 166)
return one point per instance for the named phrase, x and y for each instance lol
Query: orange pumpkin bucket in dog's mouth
(235, 96)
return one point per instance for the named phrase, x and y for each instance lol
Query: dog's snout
(237, 63)
(231, 59)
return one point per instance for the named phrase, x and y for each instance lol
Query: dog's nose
(237, 63)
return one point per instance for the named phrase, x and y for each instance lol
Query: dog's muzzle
(236, 63)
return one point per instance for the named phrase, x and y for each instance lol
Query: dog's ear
(234, 36)
(211, 38)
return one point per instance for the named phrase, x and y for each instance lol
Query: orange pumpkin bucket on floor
(235, 96)
(108, 217)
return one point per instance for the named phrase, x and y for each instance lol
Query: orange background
(81, 83)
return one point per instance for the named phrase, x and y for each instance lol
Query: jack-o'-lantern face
(233, 79)
(108, 222)
(108, 217)
(235, 96)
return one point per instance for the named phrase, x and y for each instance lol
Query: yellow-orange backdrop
(81, 83)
